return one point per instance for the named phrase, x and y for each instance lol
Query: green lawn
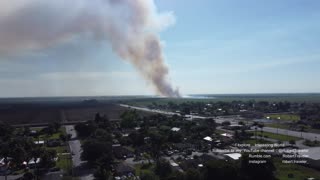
(144, 169)
(59, 149)
(276, 125)
(299, 172)
(279, 137)
(65, 162)
(285, 117)
(53, 136)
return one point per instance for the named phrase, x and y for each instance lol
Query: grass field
(279, 137)
(65, 162)
(299, 172)
(276, 125)
(284, 117)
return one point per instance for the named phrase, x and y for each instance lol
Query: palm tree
(5, 153)
(256, 128)
(261, 129)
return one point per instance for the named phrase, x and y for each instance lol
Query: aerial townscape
(217, 137)
(159, 90)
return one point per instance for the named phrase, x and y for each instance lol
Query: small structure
(233, 156)
(53, 143)
(208, 138)
(33, 162)
(39, 143)
(175, 129)
(173, 164)
(227, 135)
(235, 126)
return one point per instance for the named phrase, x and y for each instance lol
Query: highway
(220, 119)
(304, 135)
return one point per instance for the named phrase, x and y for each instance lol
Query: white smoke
(131, 27)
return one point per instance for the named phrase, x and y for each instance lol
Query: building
(123, 169)
(233, 156)
(208, 138)
(175, 129)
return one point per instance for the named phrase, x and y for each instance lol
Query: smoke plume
(131, 27)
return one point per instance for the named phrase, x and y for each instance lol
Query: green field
(284, 117)
(278, 137)
(299, 172)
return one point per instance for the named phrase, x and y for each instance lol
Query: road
(219, 119)
(304, 135)
(233, 120)
(80, 168)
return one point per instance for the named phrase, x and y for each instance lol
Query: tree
(5, 153)
(163, 168)
(157, 141)
(101, 174)
(193, 174)
(101, 135)
(219, 169)
(6, 130)
(148, 175)
(28, 176)
(175, 137)
(226, 123)
(261, 128)
(47, 158)
(251, 171)
(94, 149)
(129, 119)
(85, 129)
(292, 142)
(97, 118)
(136, 138)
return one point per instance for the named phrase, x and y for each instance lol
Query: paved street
(79, 167)
(305, 135)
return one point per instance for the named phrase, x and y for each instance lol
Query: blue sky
(225, 46)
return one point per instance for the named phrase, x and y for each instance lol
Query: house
(121, 152)
(123, 169)
(175, 166)
(4, 166)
